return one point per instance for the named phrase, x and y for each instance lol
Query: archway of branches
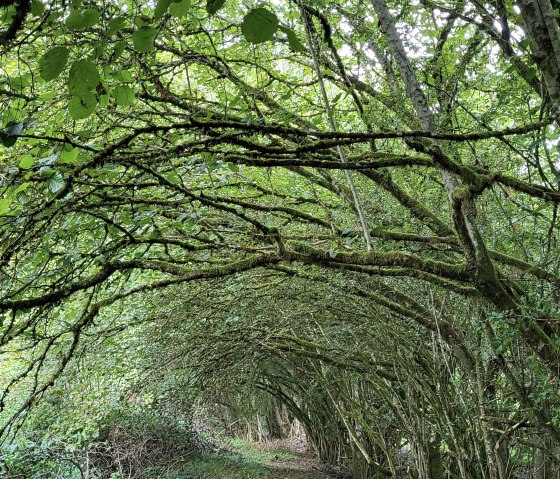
(357, 202)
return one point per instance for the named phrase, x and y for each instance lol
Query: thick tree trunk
(462, 205)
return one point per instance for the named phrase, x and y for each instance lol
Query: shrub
(138, 444)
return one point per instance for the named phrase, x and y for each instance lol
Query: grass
(241, 461)
(220, 466)
(260, 452)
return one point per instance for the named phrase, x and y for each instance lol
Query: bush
(32, 460)
(130, 444)
(136, 445)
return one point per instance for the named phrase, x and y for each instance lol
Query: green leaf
(336, 98)
(530, 73)
(4, 205)
(293, 40)
(161, 8)
(259, 25)
(124, 95)
(173, 177)
(524, 44)
(78, 20)
(103, 101)
(55, 182)
(180, 9)
(22, 187)
(114, 25)
(26, 162)
(117, 51)
(143, 39)
(212, 6)
(37, 8)
(81, 107)
(123, 76)
(20, 82)
(83, 78)
(68, 154)
(53, 62)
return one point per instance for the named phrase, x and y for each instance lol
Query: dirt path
(302, 466)
(272, 459)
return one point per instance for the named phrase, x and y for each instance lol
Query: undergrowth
(128, 444)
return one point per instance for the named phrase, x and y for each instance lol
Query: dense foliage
(341, 212)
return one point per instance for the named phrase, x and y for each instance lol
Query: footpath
(244, 460)
(300, 466)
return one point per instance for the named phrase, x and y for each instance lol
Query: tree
(410, 147)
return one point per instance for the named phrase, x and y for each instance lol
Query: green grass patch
(259, 452)
(243, 460)
(228, 465)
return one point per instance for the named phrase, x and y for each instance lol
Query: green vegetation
(333, 223)
(207, 467)
(241, 461)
